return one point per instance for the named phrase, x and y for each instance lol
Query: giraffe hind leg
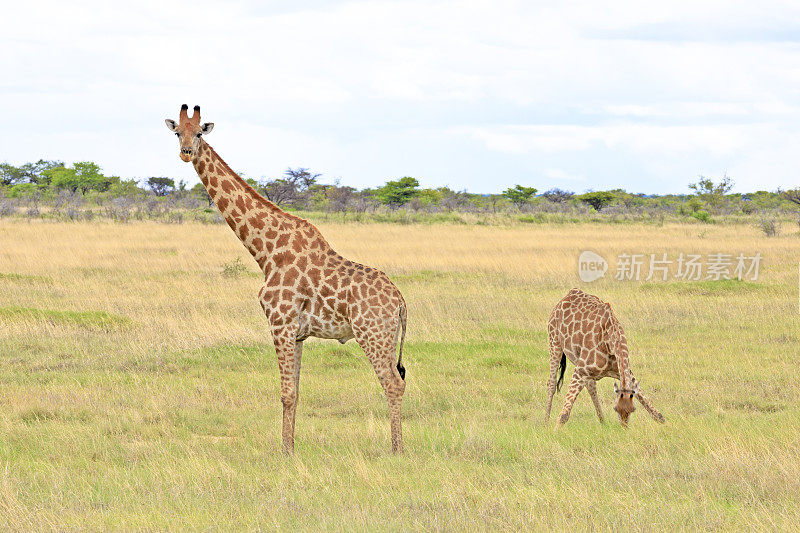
(552, 383)
(378, 345)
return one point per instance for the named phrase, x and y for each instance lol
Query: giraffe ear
(171, 124)
(207, 127)
(616, 388)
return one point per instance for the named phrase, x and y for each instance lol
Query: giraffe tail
(402, 332)
(562, 367)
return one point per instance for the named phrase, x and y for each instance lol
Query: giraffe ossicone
(583, 329)
(309, 289)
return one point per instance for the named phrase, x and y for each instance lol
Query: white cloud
(523, 86)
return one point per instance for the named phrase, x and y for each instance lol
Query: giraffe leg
(575, 386)
(286, 348)
(555, 360)
(591, 386)
(658, 417)
(379, 346)
(298, 356)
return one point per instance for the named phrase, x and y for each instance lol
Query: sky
(467, 94)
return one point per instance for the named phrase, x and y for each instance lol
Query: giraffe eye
(177, 134)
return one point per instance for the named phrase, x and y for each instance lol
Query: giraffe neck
(256, 221)
(620, 347)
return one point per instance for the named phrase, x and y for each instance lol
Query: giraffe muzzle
(187, 154)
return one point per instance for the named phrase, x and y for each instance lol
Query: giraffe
(584, 329)
(309, 290)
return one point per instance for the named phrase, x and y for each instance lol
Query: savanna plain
(139, 387)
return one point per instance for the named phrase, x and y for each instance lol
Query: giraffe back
(585, 329)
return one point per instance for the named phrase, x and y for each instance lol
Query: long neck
(256, 221)
(619, 344)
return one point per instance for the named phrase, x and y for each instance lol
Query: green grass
(97, 320)
(139, 389)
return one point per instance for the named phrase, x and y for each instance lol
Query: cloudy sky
(470, 94)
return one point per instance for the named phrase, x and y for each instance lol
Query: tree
(37, 172)
(10, 175)
(398, 192)
(161, 186)
(712, 194)
(82, 177)
(27, 173)
(290, 189)
(558, 196)
(340, 197)
(199, 190)
(792, 195)
(122, 188)
(598, 200)
(520, 195)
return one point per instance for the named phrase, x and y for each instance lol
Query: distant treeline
(81, 191)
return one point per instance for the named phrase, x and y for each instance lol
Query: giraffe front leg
(658, 417)
(591, 386)
(287, 348)
(575, 386)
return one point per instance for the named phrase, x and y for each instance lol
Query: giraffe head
(189, 131)
(624, 403)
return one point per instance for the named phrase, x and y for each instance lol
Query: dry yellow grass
(138, 388)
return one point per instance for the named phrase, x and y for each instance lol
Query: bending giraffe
(584, 329)
(309, 290)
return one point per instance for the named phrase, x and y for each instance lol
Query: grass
(139, 388)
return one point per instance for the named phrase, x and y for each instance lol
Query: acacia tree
(557, 196)
(792, 195)
(713, 194)
(200, 192)
(290, 189)
(161, 186)
(597, 199)
(398, 192)
(83, 176)
(28, 173)
(520, 195)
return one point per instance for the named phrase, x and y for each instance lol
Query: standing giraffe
(309, 290)
(583, 328)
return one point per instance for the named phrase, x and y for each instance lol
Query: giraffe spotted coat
(583, 329)
(309, 289)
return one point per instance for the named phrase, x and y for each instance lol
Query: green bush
(398, 192)
(23, 190)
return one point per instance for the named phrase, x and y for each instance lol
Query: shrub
(234, 269)
(23, 190)
(768, 227)
(702, 215)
